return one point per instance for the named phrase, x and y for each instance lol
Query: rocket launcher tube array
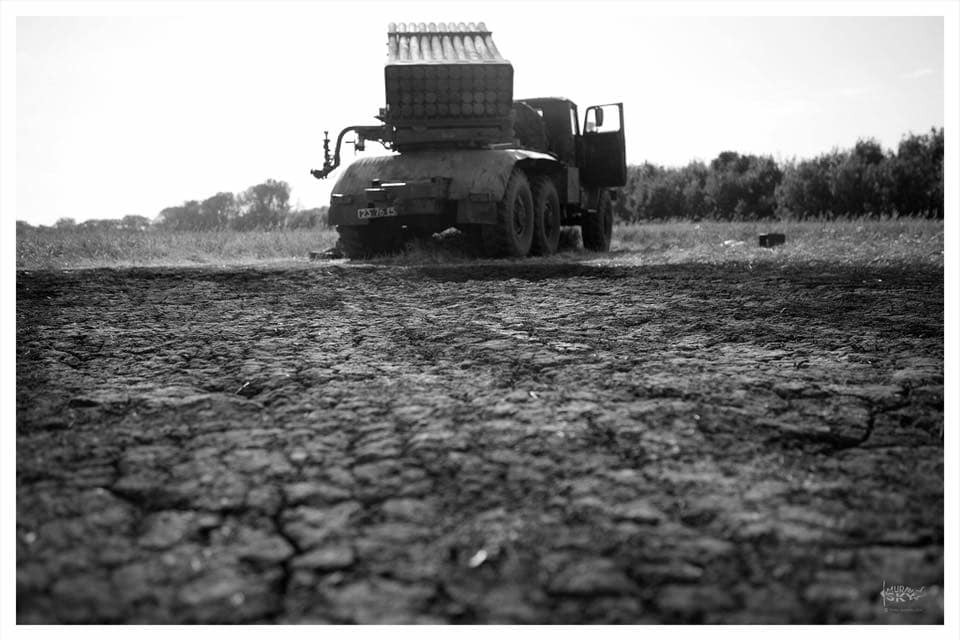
(439, 71)
(440, 42)
(428, 91)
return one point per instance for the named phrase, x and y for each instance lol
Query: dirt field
(479, 443)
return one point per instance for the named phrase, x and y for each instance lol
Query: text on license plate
(376, 212)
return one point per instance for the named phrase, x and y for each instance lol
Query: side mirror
(593, 120)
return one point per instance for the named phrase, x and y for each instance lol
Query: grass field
(72, 249)
(841, 242)
(858, 241)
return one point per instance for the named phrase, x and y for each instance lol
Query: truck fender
(471, 172)
(475, 179)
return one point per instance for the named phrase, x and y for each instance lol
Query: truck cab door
(604, 150)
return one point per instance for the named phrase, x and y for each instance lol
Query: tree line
(863, 181)
(262, 206)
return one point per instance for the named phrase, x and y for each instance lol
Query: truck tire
(368, 241)
(546, 217)
(512, 234)
(597, 228)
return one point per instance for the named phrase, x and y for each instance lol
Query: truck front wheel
(512, 233)
(597, 227)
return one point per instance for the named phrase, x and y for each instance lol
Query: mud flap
(476, 212)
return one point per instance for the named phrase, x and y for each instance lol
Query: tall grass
(46, 248)
(849, 241)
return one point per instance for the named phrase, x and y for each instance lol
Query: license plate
(376, 212)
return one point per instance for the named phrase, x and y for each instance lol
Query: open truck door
(604, 157)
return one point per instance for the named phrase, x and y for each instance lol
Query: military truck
(508, 173)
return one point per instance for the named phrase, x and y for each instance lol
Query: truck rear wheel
(546, 217)
(369, 241)
(597, 228)
(512, 234)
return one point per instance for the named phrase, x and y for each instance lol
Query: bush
(862, 181)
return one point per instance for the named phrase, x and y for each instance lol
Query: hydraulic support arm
(378, 133)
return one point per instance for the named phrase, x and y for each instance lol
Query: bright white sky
(128, 115)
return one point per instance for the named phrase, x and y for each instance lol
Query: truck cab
(594, 157)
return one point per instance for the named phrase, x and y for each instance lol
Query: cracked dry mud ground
(504, 443)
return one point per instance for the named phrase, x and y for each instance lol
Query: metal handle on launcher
(363, 133)
(328, 162)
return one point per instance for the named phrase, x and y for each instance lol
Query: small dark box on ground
(772, 239)
(332, 253)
